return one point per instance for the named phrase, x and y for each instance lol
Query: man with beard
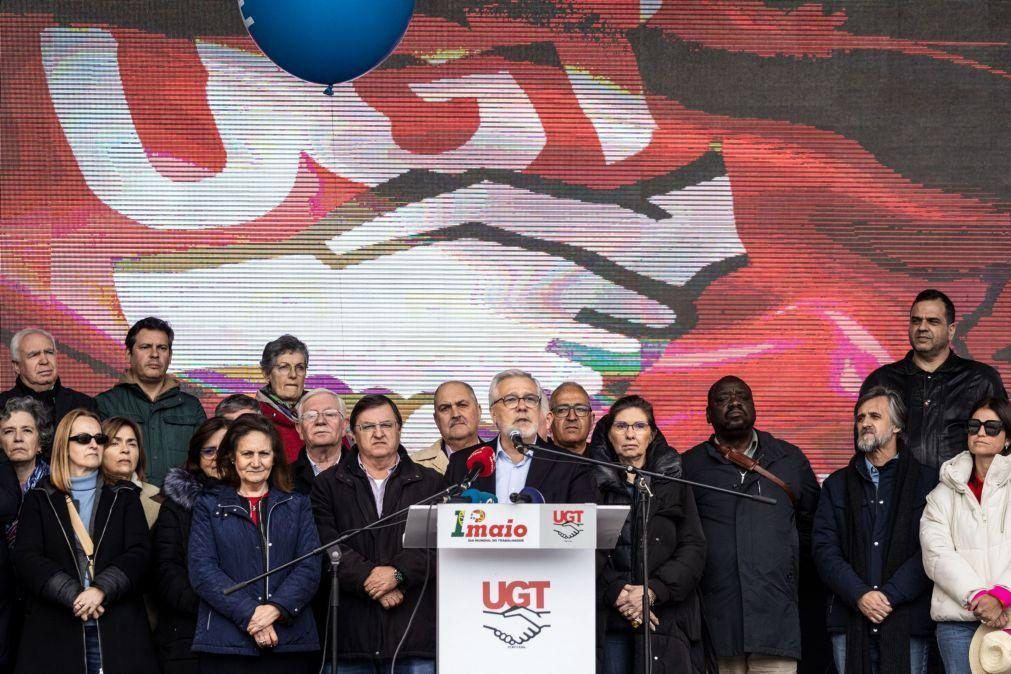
(867, 547)
(754, 549)
(457, 415)
(571, 417)
(516, 401)
(937, 385)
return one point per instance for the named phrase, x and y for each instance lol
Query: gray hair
(896, 408)
(280, 346)
(41, 416)
(318, 392)
(237, 402)
(20, 335)
(509, 374)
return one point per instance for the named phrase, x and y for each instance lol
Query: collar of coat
(952, 363)
(169, 382)
(955, 472)
(769, 449)
(266, 396)
(24, 389)
(348, 470)
(120, 485)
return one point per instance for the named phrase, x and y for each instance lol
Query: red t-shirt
(976, 486)
(254, 510)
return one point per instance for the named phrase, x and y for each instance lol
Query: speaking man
(516, 402)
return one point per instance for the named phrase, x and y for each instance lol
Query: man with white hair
(516, 402)
(322, 420)
(33, 354)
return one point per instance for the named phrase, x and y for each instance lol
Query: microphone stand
(334, 552)
(642, 486)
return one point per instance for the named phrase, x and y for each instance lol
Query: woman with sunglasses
(965, 534)
(177, 617)
(81, 556)
(252, 522)
(677, 550)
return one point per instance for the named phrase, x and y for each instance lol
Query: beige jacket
(966, 544)
(432, 456)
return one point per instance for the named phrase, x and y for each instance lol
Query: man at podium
(515, 401)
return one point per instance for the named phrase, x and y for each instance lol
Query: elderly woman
(284, 364)
(123, 459)
(177, 602)
(81, 556)
(676, 556)
(24, 431)
(964, 534)
(250, 524)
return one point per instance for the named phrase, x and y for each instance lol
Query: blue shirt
(510, 477)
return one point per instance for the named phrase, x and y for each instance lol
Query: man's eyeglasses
(563, 410)
(285, 369)
(330, 415)
(992, 427)
(512, 402)
(622, 426)
(208, 451)
(385, 426)
(85, 438)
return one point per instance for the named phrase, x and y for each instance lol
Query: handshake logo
(567, 523)
(517, 614)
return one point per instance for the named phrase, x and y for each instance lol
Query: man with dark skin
(750, 584)
(937, 385)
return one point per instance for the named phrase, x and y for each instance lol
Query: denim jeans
(93, 650)
(953, 639)
(404, 666)
(918, 647)
(618, 653)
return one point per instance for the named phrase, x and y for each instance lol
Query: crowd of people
(126, 516)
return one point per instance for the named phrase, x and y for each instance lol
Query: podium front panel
(514, 611)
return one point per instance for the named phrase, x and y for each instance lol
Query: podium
(517, 583)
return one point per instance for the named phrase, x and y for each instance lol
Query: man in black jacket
(867, 546)
(33, 354)
(380, 580)
(751, 579)
(516, 401)
(937, 386)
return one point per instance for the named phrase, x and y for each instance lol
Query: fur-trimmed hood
(182, 487)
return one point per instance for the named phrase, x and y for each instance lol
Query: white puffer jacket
(966, 544)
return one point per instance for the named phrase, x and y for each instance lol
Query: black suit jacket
(559, 480)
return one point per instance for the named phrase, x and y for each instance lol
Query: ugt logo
(516, 613)
(567, 523)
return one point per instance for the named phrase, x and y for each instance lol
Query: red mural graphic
(642, 196)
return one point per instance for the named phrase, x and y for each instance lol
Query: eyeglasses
(992, 427)
(622, 426)
(512, 402)
(285, 369)
(208, 451)
(85, 438)
(385, 426)
(563, 410)
(330, 415)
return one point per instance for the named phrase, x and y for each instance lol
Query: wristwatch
(398, 575)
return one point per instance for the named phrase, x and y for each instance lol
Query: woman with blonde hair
(123, 459)
(81, 557)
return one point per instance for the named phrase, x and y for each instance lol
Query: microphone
(480, 463)
(478, 496)
(516, 438)
(527, 495)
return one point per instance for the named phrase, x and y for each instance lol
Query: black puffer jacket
(177, 602)
(49, 569)
(676, 556)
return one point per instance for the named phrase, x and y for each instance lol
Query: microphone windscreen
(534, 495)
(483, 457)
(478, 496)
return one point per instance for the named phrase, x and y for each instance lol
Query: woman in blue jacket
(251, 523)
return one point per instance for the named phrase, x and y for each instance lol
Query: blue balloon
(327, 41)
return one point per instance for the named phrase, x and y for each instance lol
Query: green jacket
(166, 423)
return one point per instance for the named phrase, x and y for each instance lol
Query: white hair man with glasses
(322, 420)
(516, 402)
(570, 417)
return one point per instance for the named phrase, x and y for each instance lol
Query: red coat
(286, 427)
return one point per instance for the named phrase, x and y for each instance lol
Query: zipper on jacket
(105, 526)
(266, 544)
